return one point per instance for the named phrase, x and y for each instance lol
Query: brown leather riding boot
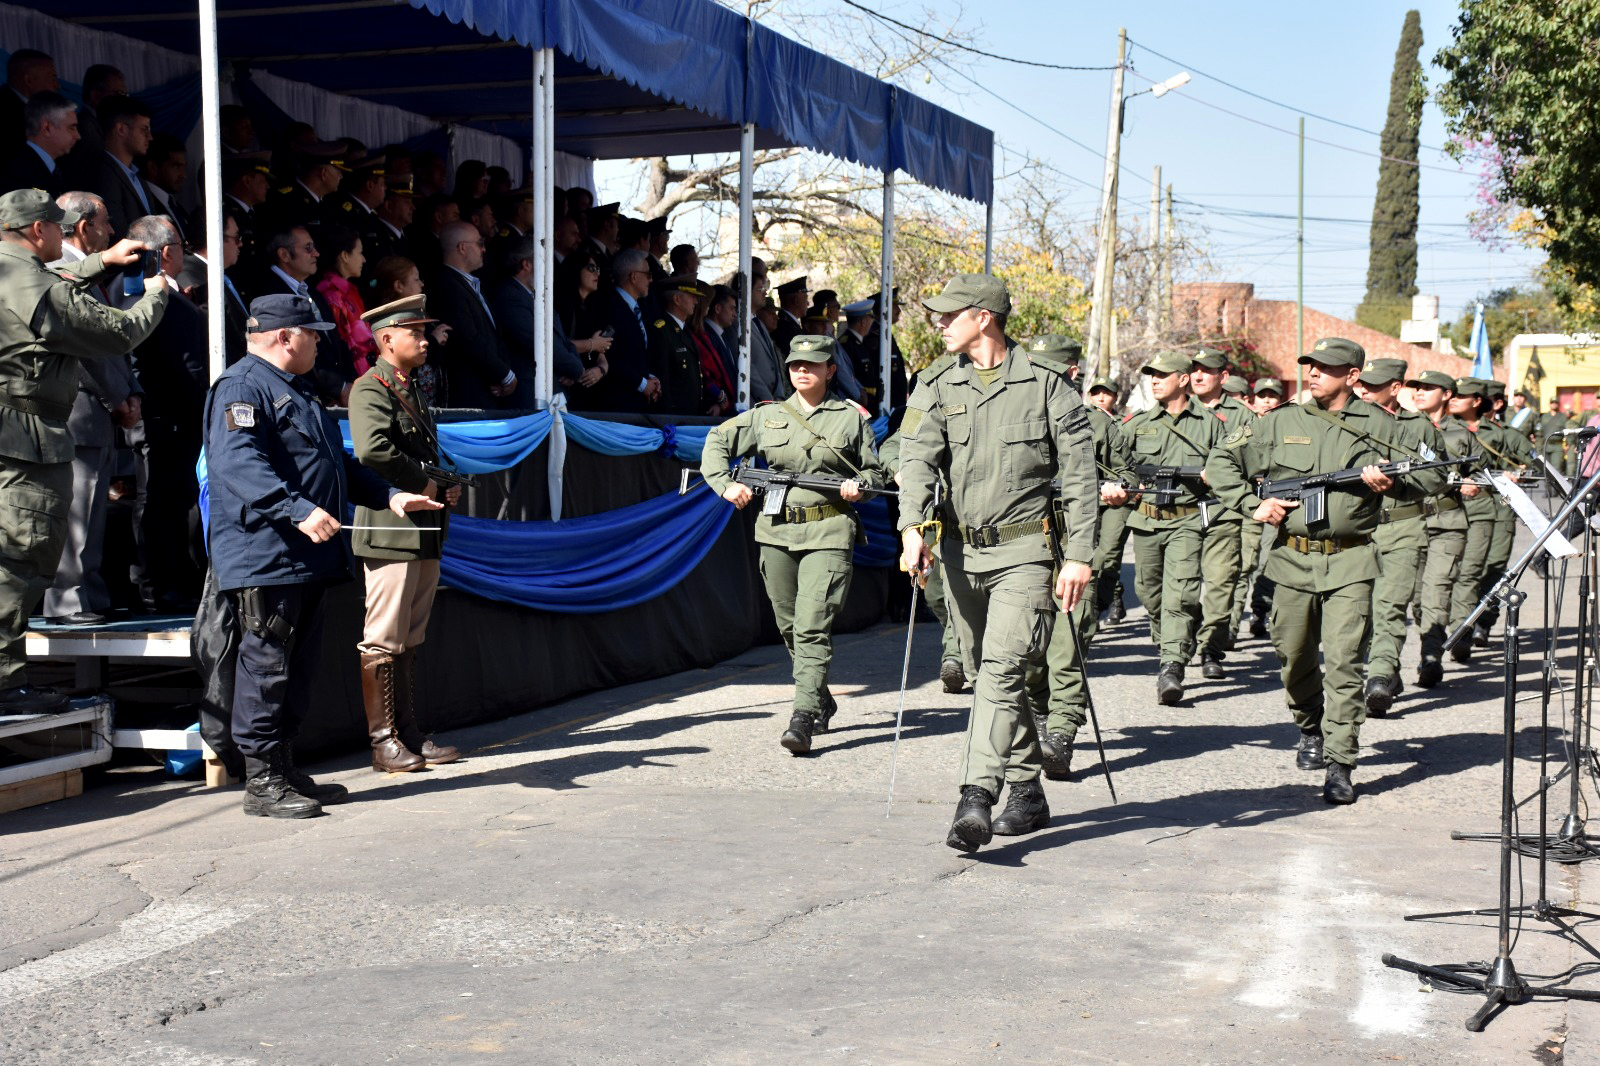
(411, 734)
(378, 696)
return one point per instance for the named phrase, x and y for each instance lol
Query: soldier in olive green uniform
(1177, 431)
(1444, 525)
(952, 674)
(1518, 454)
(1547, 438)
(1324, 574)
(1469, 405)
(1253, 586)
(999, 425)
(1399, 537)
(805, 550)
(1057, 688)
(673, 357)
(1114, 531)
(51, 322)
(1221, 542)
(392, 430)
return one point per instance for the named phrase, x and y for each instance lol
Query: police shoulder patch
(240, 415)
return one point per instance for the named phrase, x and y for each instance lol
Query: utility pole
(1096, 347)
(1153, 296)
(1166, 266)
(1300, 269)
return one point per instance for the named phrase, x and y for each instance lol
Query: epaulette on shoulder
(1049, 361)
(937, 367)
(286, 190)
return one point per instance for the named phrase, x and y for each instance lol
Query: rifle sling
(1332, 419)
(805, 423)
(427, 427)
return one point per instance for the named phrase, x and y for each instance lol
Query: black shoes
(1117, 614)
(1461, 650)
(303, 783)
(1336, 787)
(268, 794)
(1057, 751)
(1310, 755)
(1379, 694)
(76, 618)
(30, 699)
(1026, 810)
(830, 705)
(1480, 634)
(797, 738)
(1211, 666)
(952, 675)
(1169, 684)
(970, 830)
(1429, 673)
(1258, 629)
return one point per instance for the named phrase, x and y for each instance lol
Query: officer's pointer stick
(1088, 697)
(905, 672)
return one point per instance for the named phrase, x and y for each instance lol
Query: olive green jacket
(999, 448)
(391, 443)
(1112, 457)
(1501, 449)
(48, 321)
(775, 433)
(1457, 440)
(1416, 437)
(1232, 414)
(1187, 439)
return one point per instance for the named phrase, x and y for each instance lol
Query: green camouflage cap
(1382, 371)
(971, 290)
(810, 348)
(1235, 384)
(23, 207)
(1210, 358)
(1434, 378)
(1103, 383)
(1471, 387)
(1054, 342)
(1272, 385)
(1168, 363)
(1335, 351)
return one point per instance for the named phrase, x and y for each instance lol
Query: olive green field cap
(971, 290)
(810, 348)
(1272, 385)
(1168, 363)
(1235, 385)
(1335, 351)
(1103, 383)
(1054, 342)
(1433, 378)
(1383, 371)
(1210, 358)
(1470, 387)
(21, 208)
(1493, 387)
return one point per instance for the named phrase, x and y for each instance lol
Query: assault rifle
(1162, 484)
(443, 476)
(1312, 489)
(775, 485)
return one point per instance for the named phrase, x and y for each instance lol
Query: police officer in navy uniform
(280, 482)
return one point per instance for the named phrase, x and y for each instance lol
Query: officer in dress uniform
(1000, 425)
(280, 482)
(674, 359)
(361, 192)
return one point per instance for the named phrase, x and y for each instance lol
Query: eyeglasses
(591, 268)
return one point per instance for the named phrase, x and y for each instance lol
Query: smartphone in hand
(133, 275)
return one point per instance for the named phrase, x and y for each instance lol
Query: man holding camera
(54, 322)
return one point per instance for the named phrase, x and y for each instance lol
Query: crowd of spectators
(351, 228)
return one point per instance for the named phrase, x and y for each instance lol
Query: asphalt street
(644, 875)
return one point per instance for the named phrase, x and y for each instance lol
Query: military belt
(1166, 514)
(1440, 505)
(1330, 546)
(812, 514)
(33, 405)
(1420, 509)
(992, 536)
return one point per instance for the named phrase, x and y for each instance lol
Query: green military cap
(810, 348)
(410, 311)
(1210, 358)
(1168, 363)
(1437, 379)
(1471, 387)
(1103, 383)
(1494, 388)
(1335, 351)
(1236, 385)
(21, 208)
(971, 290)
(1272, 385)
(1054, 342)
(1528, 396)
(1383, 371)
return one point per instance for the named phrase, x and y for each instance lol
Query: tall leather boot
(267, 792)
(378, 695)
(411, 734)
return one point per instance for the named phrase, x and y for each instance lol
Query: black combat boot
(970, 830)
(1026, 810)
(825, 719)
(1429, 673)
(1310, 755)
(1057, 751)
(303, 783)
(1169, 684)
(268, 794)
(797, 738)
(1211, 666)
(1480, 634)
(1336, 787)
(1117, 614)
(1258, 628)
(1461, 650)
(953, 675)
(1379, 695)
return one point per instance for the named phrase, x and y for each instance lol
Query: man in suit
(513, 308)
(473, 360)
(793, 300)
(108, 398)
(51, 123)
(165, 169)
(126, 122)
(27, 72)
(292, 261)
(631, 384)
(769, 380)
(99, 82)
(194, 283)
(722, 314)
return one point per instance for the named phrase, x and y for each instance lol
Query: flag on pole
(1482, 365)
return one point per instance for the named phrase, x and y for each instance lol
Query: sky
(1228, 170)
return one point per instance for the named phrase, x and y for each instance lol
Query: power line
(965, 48)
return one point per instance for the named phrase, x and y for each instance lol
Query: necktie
(478, 292)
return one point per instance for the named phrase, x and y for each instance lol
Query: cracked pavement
(643, 874)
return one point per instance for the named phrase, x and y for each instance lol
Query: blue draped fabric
(880, 428)
(615, 438)
(585, 565)
(882, 547)
(488, 446)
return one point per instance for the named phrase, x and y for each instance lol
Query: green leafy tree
(1392, 258)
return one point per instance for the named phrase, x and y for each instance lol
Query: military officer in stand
(673, 356)
(1323, 572)
(1000, 425)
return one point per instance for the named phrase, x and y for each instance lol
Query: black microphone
(1581, 434)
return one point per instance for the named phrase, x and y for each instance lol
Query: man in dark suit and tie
(99, 82)
(631, 384)
(473, 360)
(194, 282)
(513, 308)
(51, 123)
(165, 169)
(292, 258)
(769, 380)
(126, 122)
(27, 72)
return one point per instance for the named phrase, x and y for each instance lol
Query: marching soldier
(1000, 425)
(1221, 542)
(1444, 525)
(805, 550)
(1253, 584)
(1102, 396)
(1324, 573)
(1470, 405)
(1510, 451)
(1177, 431)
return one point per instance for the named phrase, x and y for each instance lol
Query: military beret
(1383, 371)
(1272, 385)
(1433, 378)
(283, 311)
(792, 286)
(1103, 383)
(1210, 358)
(810, 348)
(1470, 387)
(1168, 363)
(1235, 385)
(983, 291)
(21, 208)
(1054, 342)
(688, 285)
(1335, 351)
(409, 311)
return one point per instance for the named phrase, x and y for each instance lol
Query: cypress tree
(1392, 256)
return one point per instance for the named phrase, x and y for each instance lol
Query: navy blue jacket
(273, 456)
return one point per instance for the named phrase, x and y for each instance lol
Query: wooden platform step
(47, 789)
